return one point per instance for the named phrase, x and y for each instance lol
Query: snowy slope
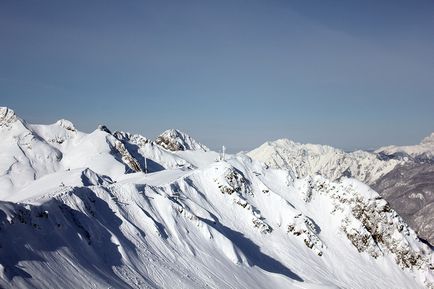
(24, 155)
(29, 151)
(402, 175)
(229, 224)
(97, 220)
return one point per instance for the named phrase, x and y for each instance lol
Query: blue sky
(352, 74)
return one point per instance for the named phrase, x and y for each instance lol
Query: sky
(347, 73)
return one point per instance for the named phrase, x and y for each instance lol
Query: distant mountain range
(403, 175)
(118, 210)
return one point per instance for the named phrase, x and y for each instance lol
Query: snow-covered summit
(66, 124)
(228, 224)
(116, 210)
(311, 159)
(31, 151)
(102, 127)
(175, 140)
(399, 173)
(429, 139)
(423, 151)
(7, 116)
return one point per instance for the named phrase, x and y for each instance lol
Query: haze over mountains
(118, 210)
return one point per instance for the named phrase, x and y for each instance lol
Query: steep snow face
(157, 158)
(31, 151)
(50, 183)
(310, 159)
(398, 173)
(228, 224)
(24, 155)
(175, 140)
(410, 186)
(82, 213)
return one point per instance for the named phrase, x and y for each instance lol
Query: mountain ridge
(115, 209)
(381, 169)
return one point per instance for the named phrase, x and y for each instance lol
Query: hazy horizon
(354, 75)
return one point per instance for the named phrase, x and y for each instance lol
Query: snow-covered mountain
(29, 152)
(421, 152)
(176, 140)
(403, 175)
(409, 188)
(78, 210)
(333, 163)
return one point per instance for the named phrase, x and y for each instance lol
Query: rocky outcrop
(7, 117)
(402, 175)
(175, 140)
(372, 225)
(127, 158)
(232, 182)
(104, 128)
(304, 227)
(410, 190)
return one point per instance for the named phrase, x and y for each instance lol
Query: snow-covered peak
(422, 152)
(399, 173)
(429, 139)
(90, 178)
(230, 224)
(102, 127)
(175, 140)
(311, 159)
(7, 117)
(118, 210)
(66, 124)
(287, 144)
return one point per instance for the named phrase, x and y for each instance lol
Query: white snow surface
(423, 150)
(104, 210)
(311, 159)
(174, 139)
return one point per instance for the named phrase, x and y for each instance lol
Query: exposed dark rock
(409, 189)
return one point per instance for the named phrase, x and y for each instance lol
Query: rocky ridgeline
(239, 206)
(304, 227)
(371, 225)
(231, 181)
(133, 148)
(118, 143)
(310, 159)
(127, 158)
(398, 173)
(136, 139)
(175, 140)
(7, 117)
